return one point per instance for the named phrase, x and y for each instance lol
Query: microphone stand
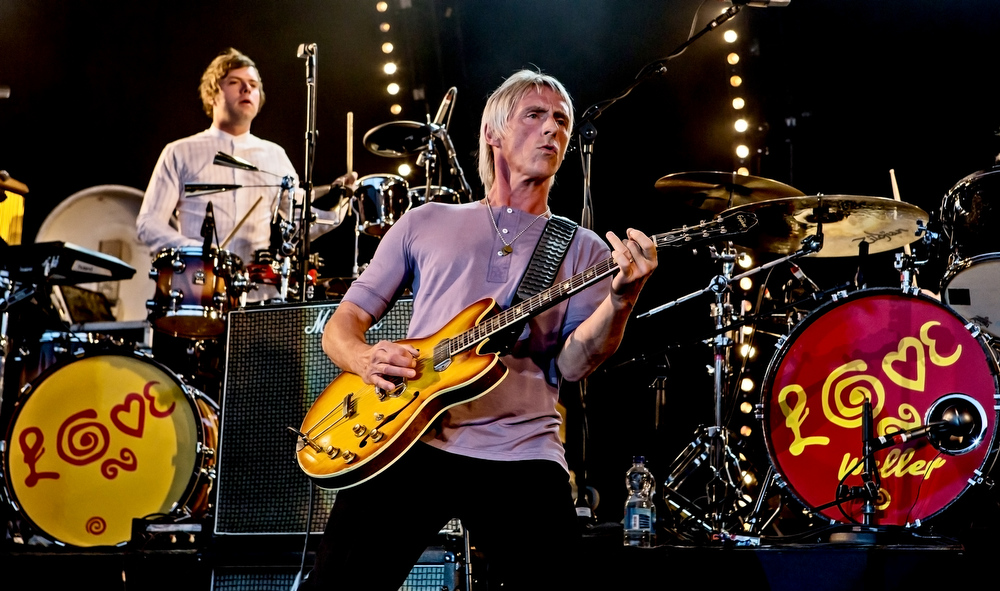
(587, 132)
(308, 52)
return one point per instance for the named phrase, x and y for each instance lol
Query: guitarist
(496, 462)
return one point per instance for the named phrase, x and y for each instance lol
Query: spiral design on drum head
(96, 526)
(82, 439)
(844, 394)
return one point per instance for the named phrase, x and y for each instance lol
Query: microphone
(891, 439)
(954, 425)
(208, 230)
(758, 3)
(445, 106)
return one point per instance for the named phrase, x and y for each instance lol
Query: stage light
(384, 27)
(387, 47)
(730, 36)
(744, 260)
(405, 170)
(739, 103)
(735, 81)
(382, 6)
(747, 330)
(745, 431)
(389, 68)
(742, 151)
(741, 125)
(733, 58)
(746, 407)
(746, 384)
(395, 109)
(748, 351)
(746, 283)
(743, 171)
(393, 88)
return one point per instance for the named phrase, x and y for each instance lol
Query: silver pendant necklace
(508, 247)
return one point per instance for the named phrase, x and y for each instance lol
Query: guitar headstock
(724, 225)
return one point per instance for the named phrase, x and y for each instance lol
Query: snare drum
(906, 353)
(193, 292)
(383, 199)
(969, 218)
(103, 440)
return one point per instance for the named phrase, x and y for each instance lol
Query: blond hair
(225, 62)
(500, 107)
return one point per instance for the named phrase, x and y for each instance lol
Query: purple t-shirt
(447, 255)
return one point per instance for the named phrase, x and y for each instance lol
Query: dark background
(839, 92)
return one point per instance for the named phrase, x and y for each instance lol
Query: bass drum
(102, 218)
(106, 439)
(917, 361)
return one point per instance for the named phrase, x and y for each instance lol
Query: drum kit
(879, 408)
(110, 422)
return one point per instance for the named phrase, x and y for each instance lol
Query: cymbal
(847, 221)
(718, 191)
(397, 138)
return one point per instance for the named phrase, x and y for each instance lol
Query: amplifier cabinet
(275, 369)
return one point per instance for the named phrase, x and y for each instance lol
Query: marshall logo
(321, 319)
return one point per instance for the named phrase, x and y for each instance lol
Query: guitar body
(344, 415)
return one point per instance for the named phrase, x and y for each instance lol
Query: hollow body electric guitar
(354, 430)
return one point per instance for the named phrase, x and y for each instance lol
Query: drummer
(232, 95)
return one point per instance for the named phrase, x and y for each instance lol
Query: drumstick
(895, 195)
(240, 224)
(350, 141)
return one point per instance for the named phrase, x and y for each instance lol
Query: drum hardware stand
(711, 444)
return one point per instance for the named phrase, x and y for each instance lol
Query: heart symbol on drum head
(134, 411)
(901, 356)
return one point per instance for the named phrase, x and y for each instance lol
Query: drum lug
(758, 411)
(178, 265)
(154, 273)
(974, 329)
(204, 449)
(176, 295)
(781, 341)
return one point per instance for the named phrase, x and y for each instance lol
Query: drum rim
(767, 386)
(204, 453)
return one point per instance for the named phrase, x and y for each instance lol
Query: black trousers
(520, 515)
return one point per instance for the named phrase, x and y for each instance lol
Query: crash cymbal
(396, 139)
(848, 220)
(718, 191)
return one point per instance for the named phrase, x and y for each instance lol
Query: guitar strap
(549, 254)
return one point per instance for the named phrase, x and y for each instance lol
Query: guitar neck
(548, 298)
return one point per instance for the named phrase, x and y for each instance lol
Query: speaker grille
(275, 369)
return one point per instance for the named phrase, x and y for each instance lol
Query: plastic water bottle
(640, 511)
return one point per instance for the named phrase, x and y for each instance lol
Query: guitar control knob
(379, 417)
(331, 451)
(350, 456)
(377, 435)
(359, 430)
